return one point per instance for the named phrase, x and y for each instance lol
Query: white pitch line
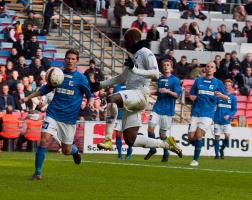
(151, 166)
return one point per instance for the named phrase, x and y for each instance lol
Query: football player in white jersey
(137, 75)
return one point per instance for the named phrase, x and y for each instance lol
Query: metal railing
(83, 37)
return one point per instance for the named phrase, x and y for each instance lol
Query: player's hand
(129, 63)
(95, 86)
(218, 94)
(226, 117)
(163, 90)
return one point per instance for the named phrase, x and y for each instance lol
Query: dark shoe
(165, 159)
(77, 158)
(222, 154)
(151, 153)
(36, 177)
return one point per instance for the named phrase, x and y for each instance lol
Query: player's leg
(40, 154)
(217, 132)
(192, 129)
(129, 153)
(226, 130)
(153, 121)
(114, 101)
(66, 134)
(119, 144)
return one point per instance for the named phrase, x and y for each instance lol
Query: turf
(104, 177)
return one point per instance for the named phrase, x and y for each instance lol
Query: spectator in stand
(3, 3)
(235, 31)
(234, 59)
(196, 13)
(208, 35)
(182, 68)
(225, 36)
(44, 61)
(132, 5)
(29, 32)
(13, 33)
(9, 69)
(13, 56)
(246, 28)
(32, 82)
(167, 43)
(186, 44)
(31, 47)
(218, 6)
(15, 19)
(2, 82)
(140, 24)
(217, 44)
(36, 68)
(195, 70)
(119, 11)
(183, 5)
(237, 79)
(6, 99)
(20, 45)
(248, 7)
(247, 79)
(226, 61)
(144, 9)
(48, 13)
(19, 94)
(98, 75)
(22, 68)
(223, 72)
(217, 62)
(42, 79)
(247, 62)
(4, 12)
(84, 111)
(27, 87)
(153, 34)
(240, 13)
(184, 29)
(12, 83)
(198, 45)
(31, 19)
(170, 56)
(194, 28)
(249, 35)
(163, 24)
(3, 72)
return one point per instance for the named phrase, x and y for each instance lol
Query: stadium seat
(249, 99)
(241, 99)
(245, 48)
(241, 106)
(4, 54)
(59, 56)
(249, 106)
(2, 38)
(28, 62)
(49, 48)
(2, 61)
(239, 113)
(5, 21)
(249, 114)
(6, 45)
(49, 56)
(42, 39)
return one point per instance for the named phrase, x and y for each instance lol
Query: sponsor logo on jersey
(68, 76)
(65, 91)
(71, 83)
(211, 87)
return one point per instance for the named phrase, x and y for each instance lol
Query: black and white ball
(54, 76)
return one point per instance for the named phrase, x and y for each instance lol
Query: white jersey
(139, 78)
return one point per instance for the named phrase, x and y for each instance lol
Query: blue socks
(40, 156)
(216, 147)
(74, 149)
(119, 146)
(129, 151)
(225, 144)
(166, 152)
(152, 135)
(197, 150)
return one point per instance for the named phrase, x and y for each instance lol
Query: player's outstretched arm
(32, 95)
(151, 74)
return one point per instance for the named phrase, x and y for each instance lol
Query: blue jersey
(224, 108)
(165, 104)
(117, 88)
(206, 101)
(67, 99)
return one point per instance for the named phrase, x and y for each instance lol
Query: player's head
(228, 83)
(167, 66)
(210, 68)
(71, 59)
(131, 37)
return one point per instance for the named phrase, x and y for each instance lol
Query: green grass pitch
(104, 177)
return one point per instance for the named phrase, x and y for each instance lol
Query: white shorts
(118, 125)
(222, 129)
(163, 121)
(134, 101)
(203, 123)
(60, 131)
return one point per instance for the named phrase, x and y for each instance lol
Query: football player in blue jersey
(169, 90)
(223, 115)
(204, 94)
(62, 112)
(118, 128)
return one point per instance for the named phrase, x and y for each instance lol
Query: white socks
(112, 112)
(146, 142)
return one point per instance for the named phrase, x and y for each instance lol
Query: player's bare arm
(34, 94)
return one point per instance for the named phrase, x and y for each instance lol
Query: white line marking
(151, 166)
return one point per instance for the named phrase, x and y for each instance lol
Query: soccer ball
(54, 76)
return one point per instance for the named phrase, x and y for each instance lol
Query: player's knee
(190, 136)
(44, 142)
(150, 129)
(66, 151)
(129, 141)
